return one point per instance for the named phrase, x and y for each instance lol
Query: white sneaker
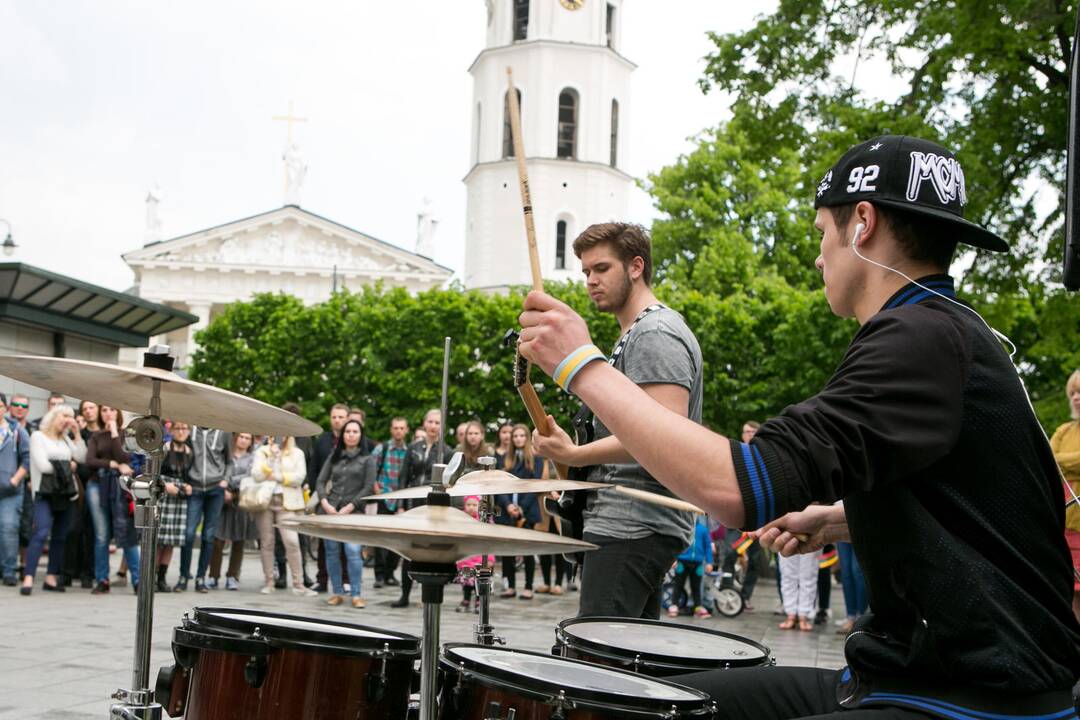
(267, 590)
(304, 592)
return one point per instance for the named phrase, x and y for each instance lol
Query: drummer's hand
(557, 446)
(550, 331)
(817, 525)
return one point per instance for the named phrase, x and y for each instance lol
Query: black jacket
(955, 509)
(351, 478)
(416, 468)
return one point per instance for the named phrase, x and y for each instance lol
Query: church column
(202, 310)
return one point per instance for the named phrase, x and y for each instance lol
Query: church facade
(574, 90)
(288, 250)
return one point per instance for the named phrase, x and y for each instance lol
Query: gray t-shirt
(661, 350)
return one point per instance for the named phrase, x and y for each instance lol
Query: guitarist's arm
(561, 448)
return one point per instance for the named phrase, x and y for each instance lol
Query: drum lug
(637, 663)
(561, 706)
(255, 671)
(459, 687)
(376, 684)
(185, 656)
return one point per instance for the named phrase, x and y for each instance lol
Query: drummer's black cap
(910, 174)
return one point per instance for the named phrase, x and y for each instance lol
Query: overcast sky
(99, 99)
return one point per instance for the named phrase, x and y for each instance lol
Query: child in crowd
(691, 566)
(466, 577)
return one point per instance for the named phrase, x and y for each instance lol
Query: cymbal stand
(146, 435)
(432, 578)
(484, 631)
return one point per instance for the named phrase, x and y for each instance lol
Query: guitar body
(570, 507)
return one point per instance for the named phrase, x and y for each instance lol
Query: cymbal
(129, 389)
(491, 482)
(433, 533)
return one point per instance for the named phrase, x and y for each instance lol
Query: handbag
(255, 496)
(59, 487)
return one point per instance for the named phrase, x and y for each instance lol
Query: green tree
(988, 80)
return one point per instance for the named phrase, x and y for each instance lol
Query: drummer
(949, 490)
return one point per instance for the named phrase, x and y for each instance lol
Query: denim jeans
(204, 505)
(354, 556)
(10, 514)
(101, 517)
(48, 525)
(851, 578)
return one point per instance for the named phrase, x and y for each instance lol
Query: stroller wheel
(728, 602)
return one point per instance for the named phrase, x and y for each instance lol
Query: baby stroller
(724, 592)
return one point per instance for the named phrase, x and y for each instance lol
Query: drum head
(546, 675)
(282, 630)
(662, 642)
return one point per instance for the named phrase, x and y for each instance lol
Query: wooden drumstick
(658, 499)
(523, 184)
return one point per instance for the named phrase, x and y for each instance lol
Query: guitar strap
(583, 419)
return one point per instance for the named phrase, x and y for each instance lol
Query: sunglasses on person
(24, 406)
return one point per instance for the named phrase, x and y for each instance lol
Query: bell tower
(574, 88)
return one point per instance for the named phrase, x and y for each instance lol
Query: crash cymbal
(433, 533)
(130, 389)
(491, 482)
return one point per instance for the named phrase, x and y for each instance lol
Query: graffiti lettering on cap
(944, 174)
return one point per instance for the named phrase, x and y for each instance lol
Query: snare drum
(487, 682)
(252, 665)
(655, 648)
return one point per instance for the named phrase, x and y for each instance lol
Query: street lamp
(9, 243)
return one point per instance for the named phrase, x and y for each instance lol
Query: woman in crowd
(79, 548)
(346, 477)
(474, 446)
(1066, 446)
(57, 441)
(173, 520)
(284, 465)
(236, 526)
(110, 503)
(503, 446)
(522, 510)
(798, 590)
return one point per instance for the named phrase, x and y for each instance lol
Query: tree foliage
(987, 79)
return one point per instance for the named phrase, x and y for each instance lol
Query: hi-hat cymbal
(130, 389)
(434, 534)
(491, 482)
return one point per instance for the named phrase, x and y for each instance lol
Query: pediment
(288, 239)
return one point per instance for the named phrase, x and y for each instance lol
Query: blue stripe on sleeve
(770, 511)
(755, 484)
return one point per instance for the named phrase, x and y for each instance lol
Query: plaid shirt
(390, 457)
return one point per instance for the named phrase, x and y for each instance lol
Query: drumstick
(657, 499)
(523, 184)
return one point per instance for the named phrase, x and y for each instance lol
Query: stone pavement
(61, 656)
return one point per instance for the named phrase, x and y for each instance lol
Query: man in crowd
(55, 399)
(211, 466)
(416, 470)
(389, 458)
(14, 477)
(950, 492)
(18, 411)
(658, 352)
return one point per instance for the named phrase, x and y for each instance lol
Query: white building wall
(565, 49)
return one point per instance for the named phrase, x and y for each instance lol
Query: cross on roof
(290, 119)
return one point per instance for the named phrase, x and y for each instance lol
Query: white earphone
(859, 228)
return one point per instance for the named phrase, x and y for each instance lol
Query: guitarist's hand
(550, 331)
(557, 446)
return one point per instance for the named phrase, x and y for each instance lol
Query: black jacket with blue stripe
(955, 509)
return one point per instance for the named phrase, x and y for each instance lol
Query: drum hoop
(210, 620)
(582, 697)
(566, 637)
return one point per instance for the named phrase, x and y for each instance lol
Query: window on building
(508, 135)
(560, 245)
(614, 131)
(521, 20)
(568, 104)
(611, 26)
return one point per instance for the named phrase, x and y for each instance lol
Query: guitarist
(638, 541)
